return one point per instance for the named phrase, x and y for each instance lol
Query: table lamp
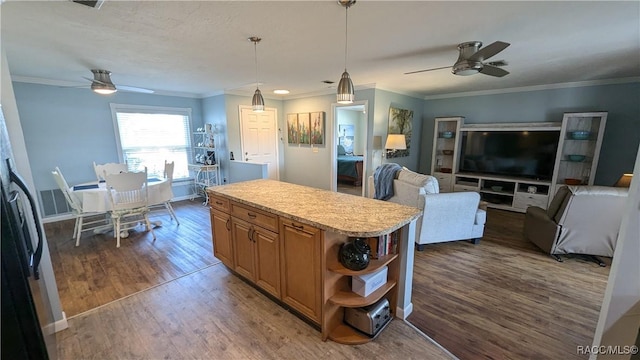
(395, 142)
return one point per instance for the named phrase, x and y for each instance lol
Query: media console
(575, 161)
(504, 192)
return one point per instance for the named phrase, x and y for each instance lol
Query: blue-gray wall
(621, 101)
(71, 128)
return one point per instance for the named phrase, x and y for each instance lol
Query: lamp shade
(345, 89)
(257, 103)
(396, 142)
(624, 181)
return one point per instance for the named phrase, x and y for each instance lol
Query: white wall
(21, 159)
(620, 313)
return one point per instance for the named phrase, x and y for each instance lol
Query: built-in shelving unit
(446, 149)
(579, 148)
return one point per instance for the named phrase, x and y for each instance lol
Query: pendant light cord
(255, 52)
(346, 35)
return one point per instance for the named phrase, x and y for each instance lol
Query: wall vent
(53, 202)
(94, 4)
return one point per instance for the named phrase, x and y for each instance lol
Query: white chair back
(168, 171)
(66, 190)
(127, 190)
(109, 168)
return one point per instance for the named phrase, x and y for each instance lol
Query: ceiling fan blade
(134, 89)
(92, 80)
(488, 51)
(493, 70)
(497, 63)
(419, 71)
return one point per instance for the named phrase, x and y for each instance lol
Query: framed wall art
(317, 128)
(400, 121)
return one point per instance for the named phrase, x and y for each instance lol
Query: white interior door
(259, 139)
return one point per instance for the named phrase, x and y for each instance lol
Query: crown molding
(536, 88)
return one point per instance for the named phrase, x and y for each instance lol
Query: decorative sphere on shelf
(355, 254)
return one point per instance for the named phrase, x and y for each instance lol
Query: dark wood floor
(96, 272)
(504, 298)
(501, 299)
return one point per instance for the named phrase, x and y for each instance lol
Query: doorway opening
(351, 148)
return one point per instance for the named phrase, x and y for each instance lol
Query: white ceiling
(200, 48)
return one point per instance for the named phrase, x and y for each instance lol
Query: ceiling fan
(102, 84)
(470, 60)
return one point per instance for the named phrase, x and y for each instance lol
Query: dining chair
(95, 219)
(109, 168)
(128, 194)
(168, 175)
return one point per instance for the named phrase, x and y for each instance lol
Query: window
(149, 135)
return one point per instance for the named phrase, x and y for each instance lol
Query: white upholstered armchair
(446, 216)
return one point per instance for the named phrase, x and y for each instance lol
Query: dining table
(94, 196)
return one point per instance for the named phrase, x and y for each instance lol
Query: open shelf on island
(374, 265)
(351, 299)
(345, 334)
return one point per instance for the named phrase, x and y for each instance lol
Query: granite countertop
(331, 211)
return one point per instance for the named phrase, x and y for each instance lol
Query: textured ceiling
(201, 48)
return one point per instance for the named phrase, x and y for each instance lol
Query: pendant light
(257, 103)
(346, 93)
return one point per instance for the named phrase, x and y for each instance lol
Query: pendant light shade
(346, 94)
(102, 83)
(257, 103)
(345, 89)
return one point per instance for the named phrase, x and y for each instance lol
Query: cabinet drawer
(444, 181)
(220, 203)
(255, 216)
(523, 201)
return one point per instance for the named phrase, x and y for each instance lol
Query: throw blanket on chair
(383, 180)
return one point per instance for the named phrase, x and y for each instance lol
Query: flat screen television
(523, 154)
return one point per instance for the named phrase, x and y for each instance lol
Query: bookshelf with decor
(446, 149)
(204, 169)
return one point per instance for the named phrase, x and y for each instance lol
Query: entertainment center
(517, 165)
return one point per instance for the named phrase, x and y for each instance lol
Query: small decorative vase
(354, 255)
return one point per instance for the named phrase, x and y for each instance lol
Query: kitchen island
(285, 238)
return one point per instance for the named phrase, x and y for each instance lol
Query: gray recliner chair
(580, 220)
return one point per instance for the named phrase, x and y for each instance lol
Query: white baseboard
(57, 326)
(404, 313)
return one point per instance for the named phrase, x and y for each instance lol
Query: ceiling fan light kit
(345, 91)
(102, 83)
(257, 103)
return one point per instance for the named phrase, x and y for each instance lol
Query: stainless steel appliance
(370, 319)
(27, 316)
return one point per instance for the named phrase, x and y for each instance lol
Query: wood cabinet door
(221, 235)
(300, 247)
(243, 248)
(267, 260)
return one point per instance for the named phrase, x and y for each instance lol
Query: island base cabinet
(221, 231)
(256, 255)
(300, 270)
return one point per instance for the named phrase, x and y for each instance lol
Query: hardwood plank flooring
(501, 299)
(504, 298)
(212, 314)
(96, 272)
